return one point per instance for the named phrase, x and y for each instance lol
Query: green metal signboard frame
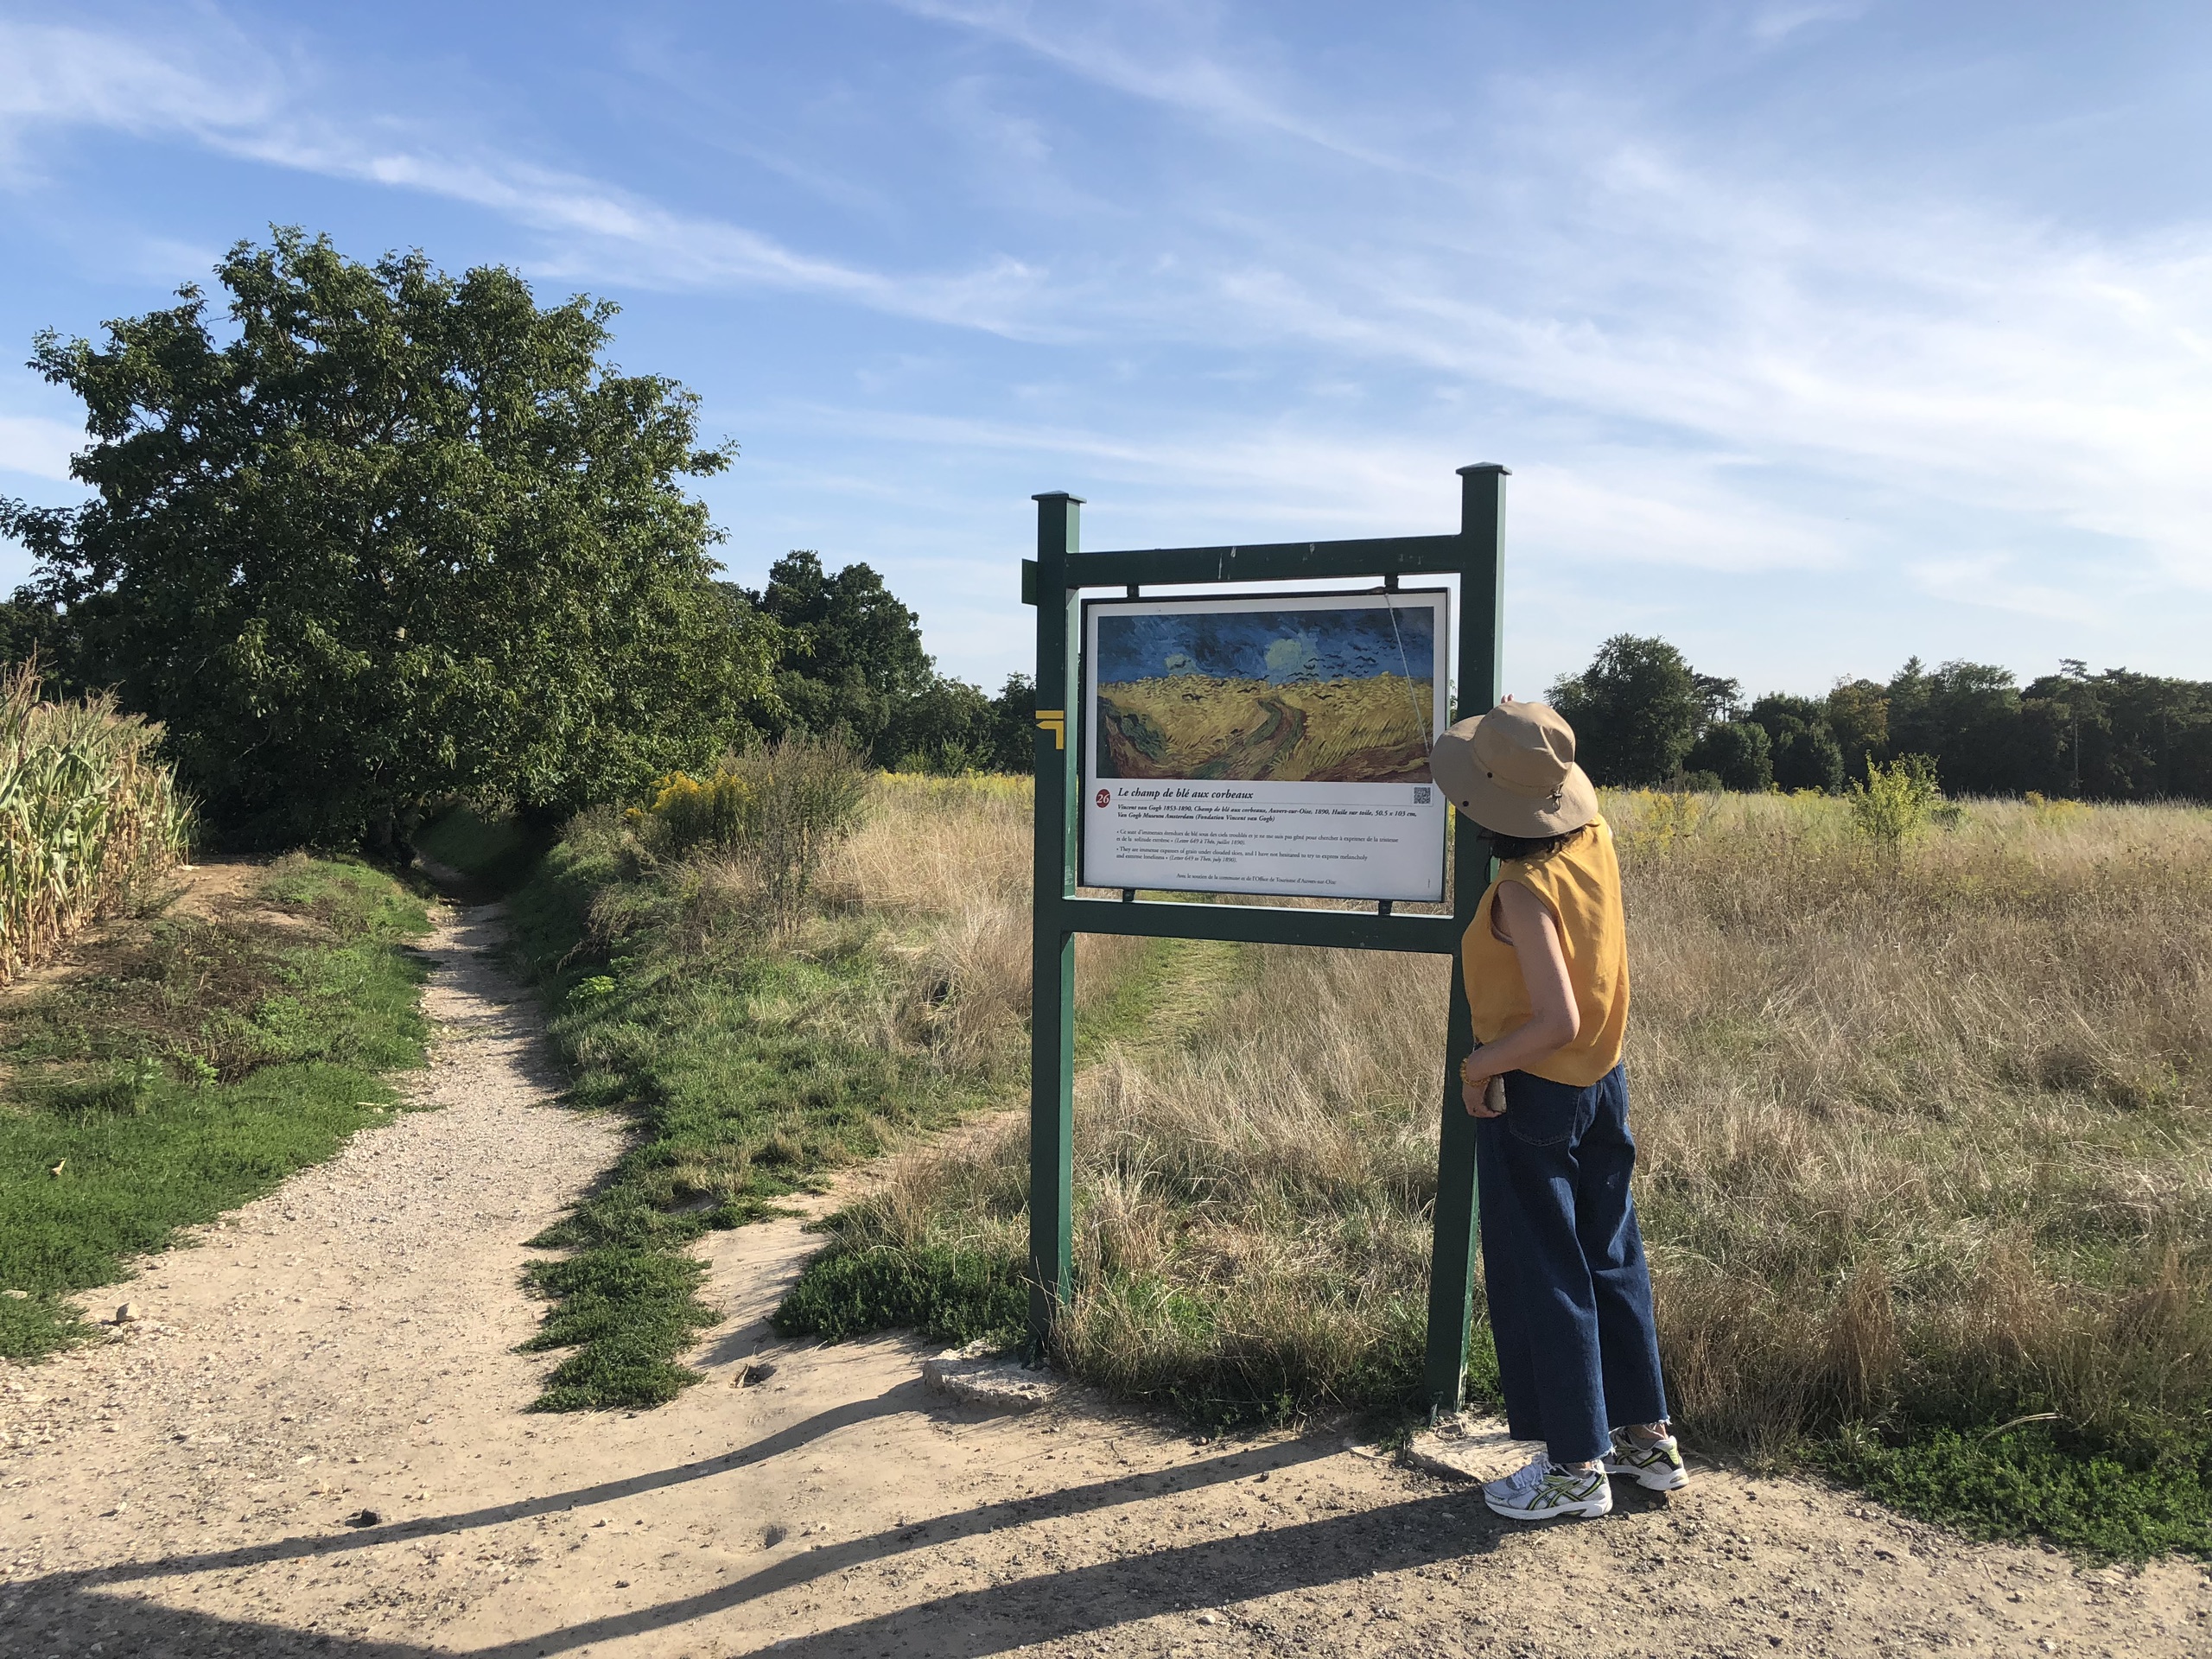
(1054, 584)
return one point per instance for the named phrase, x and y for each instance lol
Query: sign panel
(1267, 743)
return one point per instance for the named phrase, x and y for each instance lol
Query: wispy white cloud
(211, 84)
(236, 102)
(1902, 346)
(1183, 66)
(1291, 479)
(1994, 581)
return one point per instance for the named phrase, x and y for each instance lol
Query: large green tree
(385, 536)
(1858, 714)
(1967, 717)
(1636, 710)
(2114, 735)
(852, 654)
(2117, 736)
(1737, 752)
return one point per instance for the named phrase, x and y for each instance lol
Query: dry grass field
(1927, 1157)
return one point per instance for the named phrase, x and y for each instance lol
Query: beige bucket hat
(1512, 771)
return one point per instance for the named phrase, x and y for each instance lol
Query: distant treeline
(1644, 717)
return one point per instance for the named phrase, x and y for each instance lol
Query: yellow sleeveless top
(1580, 884)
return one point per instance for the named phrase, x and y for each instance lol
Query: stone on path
(972, 1376)
(1469, 1448)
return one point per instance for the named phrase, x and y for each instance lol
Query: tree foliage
(1737, 752)
(1805, 754)
(387, 537)
(1857, 714)
(853, 660)
(1636, 710)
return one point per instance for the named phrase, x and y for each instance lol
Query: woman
(1546, 974)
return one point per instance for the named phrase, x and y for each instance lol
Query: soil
(196, 1483)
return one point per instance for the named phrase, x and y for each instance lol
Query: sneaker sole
(1589, 1508)
(1652, 1480)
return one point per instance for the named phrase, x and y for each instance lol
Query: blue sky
(1816, 334)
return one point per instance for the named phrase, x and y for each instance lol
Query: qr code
(1421, 794)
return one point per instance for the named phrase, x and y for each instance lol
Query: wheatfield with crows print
(1325, 696)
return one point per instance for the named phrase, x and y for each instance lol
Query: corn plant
(88, 816)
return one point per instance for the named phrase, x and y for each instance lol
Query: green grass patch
(192, 1067)
(750, 1067)
(948, 1294)
(2037, 1482)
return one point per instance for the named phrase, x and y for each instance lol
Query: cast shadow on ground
(914, 1396)
(1050, 1604)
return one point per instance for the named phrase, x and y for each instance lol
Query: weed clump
(780, 808)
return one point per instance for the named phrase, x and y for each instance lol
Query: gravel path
(184, 1488)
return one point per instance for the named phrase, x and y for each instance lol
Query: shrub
(1897, 801)
(1655, 820)
(717, 811)
(2051, 811)
(781, 807)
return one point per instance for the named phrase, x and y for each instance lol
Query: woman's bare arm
(1554, 1021)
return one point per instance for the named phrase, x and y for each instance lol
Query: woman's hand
(1484, 1093)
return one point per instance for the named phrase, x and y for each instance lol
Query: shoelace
(1528, 1475)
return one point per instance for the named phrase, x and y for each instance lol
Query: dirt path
(347, 1343)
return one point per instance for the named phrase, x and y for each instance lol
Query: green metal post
(1451, 1267)
(1052, 1016)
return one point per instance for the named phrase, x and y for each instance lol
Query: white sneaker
(1544, 1491)
(1656, 1467)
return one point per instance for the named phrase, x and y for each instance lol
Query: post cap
(1483, 466)
(1058, 495)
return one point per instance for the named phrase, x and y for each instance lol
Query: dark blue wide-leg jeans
(1570, 1295)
